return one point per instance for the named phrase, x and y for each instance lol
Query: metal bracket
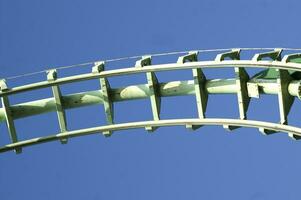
(294, 137)
(107, 101)
(267, 131)
(52, 76)
(230, 127)
(233, 55)
(289, 57)
(274, 55)
(98, 67)
(192, 56)
(193, 127)
(253, 90)
(144, 61)
(8, 116)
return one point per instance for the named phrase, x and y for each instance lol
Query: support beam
(199, 86)
(241, 80)
(285, 100)
(276, 55)
(52, 76)
(8, 117)
(154, 90)
(107, 100)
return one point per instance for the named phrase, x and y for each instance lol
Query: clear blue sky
(173, 163)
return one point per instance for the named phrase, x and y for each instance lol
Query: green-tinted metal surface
(279, 77)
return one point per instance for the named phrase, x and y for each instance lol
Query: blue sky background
(173, 163)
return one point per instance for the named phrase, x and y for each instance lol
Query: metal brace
(52, 76)
(107, 101)
(8, 116)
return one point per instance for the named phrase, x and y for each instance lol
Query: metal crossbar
(280, 76)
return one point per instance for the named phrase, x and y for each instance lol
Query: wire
(136, 57)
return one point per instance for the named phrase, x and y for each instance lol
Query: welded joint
(274, 55)
(289, 57)
(234, 54)
(192, 56)
(52, 76)
(8, 116)
(144, 61)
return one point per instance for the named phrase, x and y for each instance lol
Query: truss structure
(280, 75)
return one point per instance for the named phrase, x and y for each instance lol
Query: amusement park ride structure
(280, 75)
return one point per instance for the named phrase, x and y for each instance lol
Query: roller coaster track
(280, 75)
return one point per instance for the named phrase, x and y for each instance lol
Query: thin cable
(136, 57)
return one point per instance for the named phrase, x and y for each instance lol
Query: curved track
(281, 79)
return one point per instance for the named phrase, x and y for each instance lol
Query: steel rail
(282, 81)
(292, 131)
(155, 68)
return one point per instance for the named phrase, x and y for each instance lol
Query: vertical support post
(107, 100)
(199, 86)
(61, 115)
(8, 116)
(285, 100)
(154, 90)
(242, 78)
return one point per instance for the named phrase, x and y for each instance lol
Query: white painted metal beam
(106, 95)
(290, 130)
(52, 76)
(8, 117)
